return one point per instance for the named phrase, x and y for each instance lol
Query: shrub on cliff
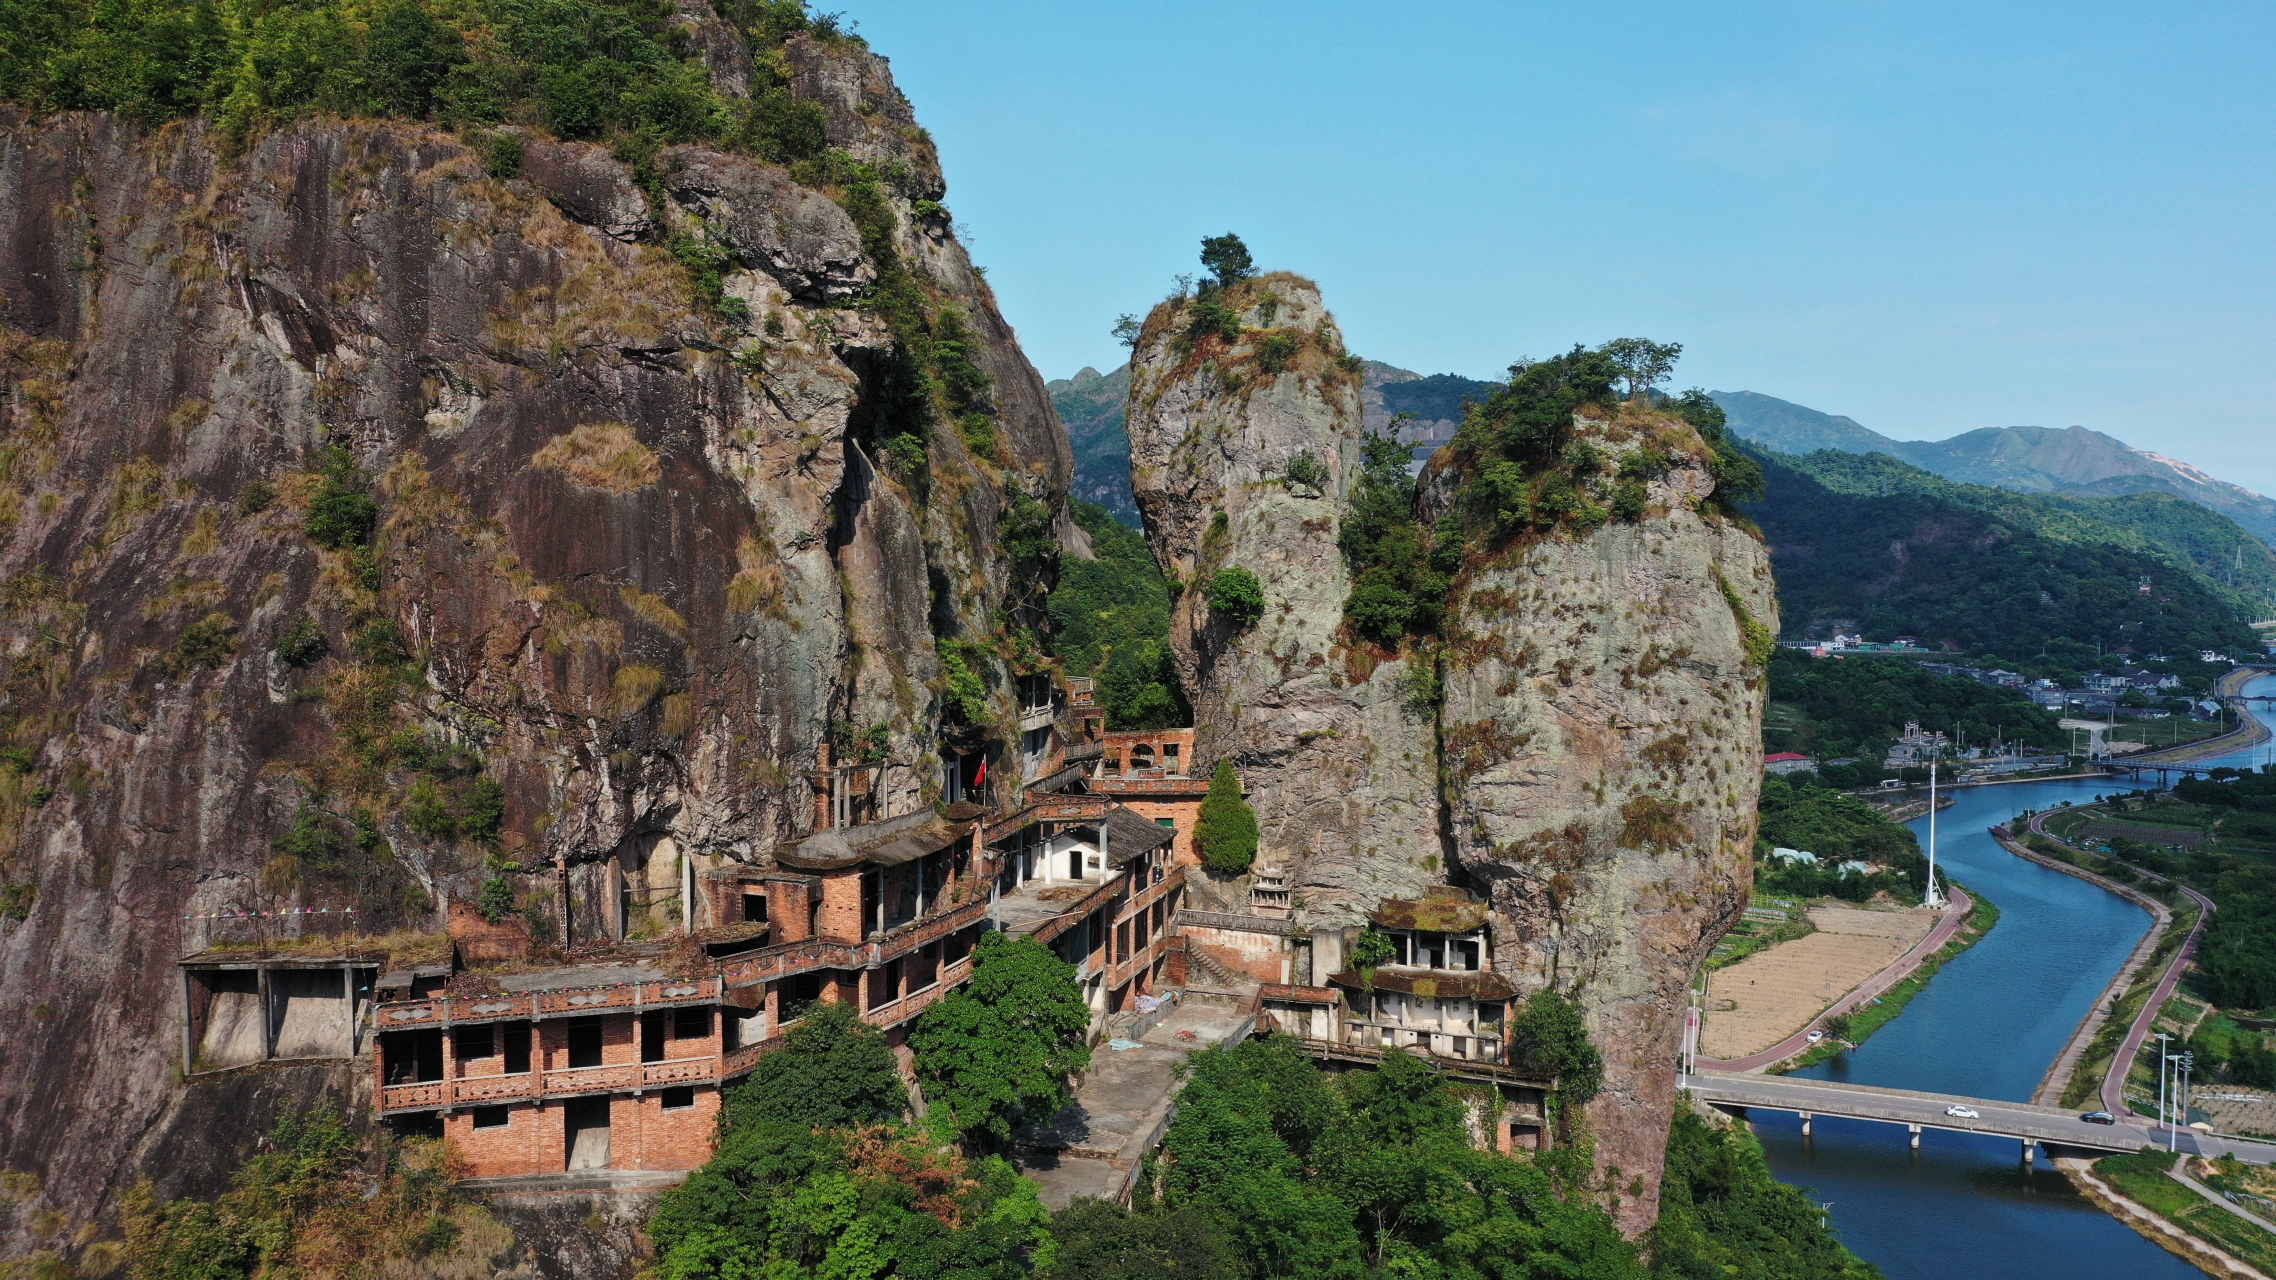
(1236, 596)
(1005, 1044)
(1400, 567)
(305, 1206)
(342, 513)
(1227, 827)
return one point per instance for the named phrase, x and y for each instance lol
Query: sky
(1930, 217)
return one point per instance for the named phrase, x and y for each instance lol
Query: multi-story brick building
(617, 1061)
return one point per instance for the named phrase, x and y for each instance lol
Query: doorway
(585, 1126)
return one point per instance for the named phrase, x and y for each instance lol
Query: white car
(1816, 1036)
(1965, 1113)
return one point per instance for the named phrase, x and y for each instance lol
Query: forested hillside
(1834, 708)
(1090, 405)
(2073, 460)
(1893, 550)
(1112, 615)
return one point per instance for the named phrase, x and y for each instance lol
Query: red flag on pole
(980, 775)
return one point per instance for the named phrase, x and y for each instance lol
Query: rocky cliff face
(1589, 761)
(1338, 763)
(638, 542)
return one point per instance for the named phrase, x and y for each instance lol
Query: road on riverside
(2114, 1083)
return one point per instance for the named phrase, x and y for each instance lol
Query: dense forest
(1112, 621)
(1855, 707)
(1894, 550)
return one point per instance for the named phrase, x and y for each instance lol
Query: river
(1987, 1026)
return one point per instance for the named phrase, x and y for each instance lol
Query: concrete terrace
(1122, 1107)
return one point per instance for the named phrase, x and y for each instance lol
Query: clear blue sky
(1931, 217)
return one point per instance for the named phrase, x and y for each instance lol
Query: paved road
(1904, 1106)
(1955, 914)
(2114, 1082)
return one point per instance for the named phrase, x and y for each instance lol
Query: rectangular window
(475, 1042)
(1171, 823)
(585, 1043)
(1122, 940)
(652, 1037)
(493, 1117)
(799, 992)
(1464, 954)
(691, 1024)
(676, 1097)
(517, 1049)
(1398, 948)
(958, 945)
(1140, 921)
(754, 908)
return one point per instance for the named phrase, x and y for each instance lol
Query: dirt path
(1955, 915)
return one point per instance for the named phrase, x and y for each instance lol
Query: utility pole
(2181, 1096)
(1933, 898)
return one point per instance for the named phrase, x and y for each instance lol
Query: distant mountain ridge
(1091, 406)
(2074, 461)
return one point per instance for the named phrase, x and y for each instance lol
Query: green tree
(1370, 1173)
(1549, 1037)
(1101, 1240)
(1643, 362)
(1227, 259)
(1003, 1045)
(1226, 828)
(1400, 568)
(497, 900)
(1236, 596)
(833, 1071)
(1722, 1214)
(784, 1200)
(407, 55)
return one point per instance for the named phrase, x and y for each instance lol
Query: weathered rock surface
(1601, 729)
(1338, 768)
(638, 556)
(1591, 761)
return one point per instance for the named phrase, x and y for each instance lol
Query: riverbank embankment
(2059, 1072)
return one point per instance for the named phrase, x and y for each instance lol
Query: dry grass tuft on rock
(636, 685)
(601, 455)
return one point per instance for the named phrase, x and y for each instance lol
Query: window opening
(585, 1043)
(493, 1117)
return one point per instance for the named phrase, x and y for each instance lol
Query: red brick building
(618, 1061)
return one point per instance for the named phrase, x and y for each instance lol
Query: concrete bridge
(2032, 1126)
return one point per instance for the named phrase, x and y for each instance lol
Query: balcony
(525, 1086)
(400, 1015)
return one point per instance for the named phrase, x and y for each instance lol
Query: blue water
(1987, 1026)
